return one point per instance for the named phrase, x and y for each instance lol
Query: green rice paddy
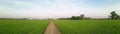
(88, 26)
(23, 26)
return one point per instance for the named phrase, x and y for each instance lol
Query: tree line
(113, 16)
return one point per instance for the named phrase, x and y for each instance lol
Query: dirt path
(52, 29)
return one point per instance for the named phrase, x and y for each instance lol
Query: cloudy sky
(57, 8)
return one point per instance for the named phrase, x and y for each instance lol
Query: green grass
(23, 26)
(88, 26)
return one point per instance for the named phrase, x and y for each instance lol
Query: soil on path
(52, 29)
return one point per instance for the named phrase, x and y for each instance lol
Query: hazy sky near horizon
(57, 8)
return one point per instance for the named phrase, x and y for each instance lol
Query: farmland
(65, 26)
(88, 26)
(23, 26)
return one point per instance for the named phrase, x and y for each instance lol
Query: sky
(43, 9)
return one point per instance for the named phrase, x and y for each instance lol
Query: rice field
(88, 26)
(23, 26)
(65, 26)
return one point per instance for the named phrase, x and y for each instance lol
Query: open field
(23, 26)
(65, 26)
(88, 26)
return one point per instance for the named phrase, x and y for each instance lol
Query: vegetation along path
(52, 29)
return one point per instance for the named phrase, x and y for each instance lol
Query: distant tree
(78, 18)
(88, 18)
(82, 16)
(73, 18)
(114, 15)
(119, 17)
